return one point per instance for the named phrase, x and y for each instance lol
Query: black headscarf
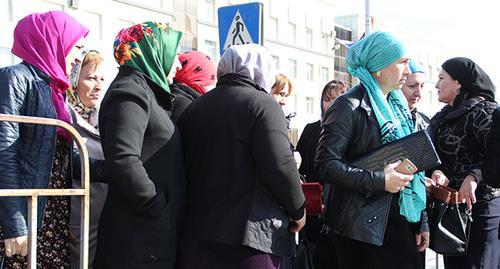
(474, 81)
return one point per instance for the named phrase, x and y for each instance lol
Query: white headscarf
(249, 60)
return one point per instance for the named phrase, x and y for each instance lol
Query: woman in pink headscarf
(37, 156)
(192, 80)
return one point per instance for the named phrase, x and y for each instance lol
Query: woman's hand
(467, 192)
(440, 178)
(395, 181)
(16, 245)
(422, 240)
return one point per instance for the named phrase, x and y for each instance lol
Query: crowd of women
(185, 176)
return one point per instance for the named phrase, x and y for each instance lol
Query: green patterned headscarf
(149, 48)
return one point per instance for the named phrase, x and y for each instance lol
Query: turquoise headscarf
(370, 54)
(415, 67)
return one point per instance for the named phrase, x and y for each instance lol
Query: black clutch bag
(417, 147)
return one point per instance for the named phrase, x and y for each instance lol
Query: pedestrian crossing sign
(240, 24)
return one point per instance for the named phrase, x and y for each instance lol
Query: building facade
(299, 37)
(428, 54)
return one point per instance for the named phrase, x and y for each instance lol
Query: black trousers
(399, 249)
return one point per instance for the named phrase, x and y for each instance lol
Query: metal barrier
(33, 194)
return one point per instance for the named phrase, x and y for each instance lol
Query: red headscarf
(44, 40)
(197, 71)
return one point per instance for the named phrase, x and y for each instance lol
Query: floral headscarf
(197, 71)
(149, 48)
(44, 40)
(71, 94)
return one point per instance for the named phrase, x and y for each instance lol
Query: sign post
(240, 24)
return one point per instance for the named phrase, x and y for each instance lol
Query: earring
(458, 91)
(378, 74)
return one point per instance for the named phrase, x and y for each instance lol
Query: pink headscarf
(197, 71)
(44, 40)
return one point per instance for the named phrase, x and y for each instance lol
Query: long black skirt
(399, 249)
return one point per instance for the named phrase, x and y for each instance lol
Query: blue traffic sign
(240, 24)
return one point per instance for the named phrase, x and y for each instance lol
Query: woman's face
(333, 94)
(90, 85)
(447, 87)
(173, 70)
(393, 76)
(281, 95)
(73, 54)
(412, 89)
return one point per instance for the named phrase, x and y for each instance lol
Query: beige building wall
(298, 34)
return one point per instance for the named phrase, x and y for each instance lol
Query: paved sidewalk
(430, 260)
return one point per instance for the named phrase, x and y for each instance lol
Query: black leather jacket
(359, 205)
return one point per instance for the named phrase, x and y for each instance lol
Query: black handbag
(449, 222)
(304, 256)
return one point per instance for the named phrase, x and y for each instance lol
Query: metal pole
(32, 237)
(437, 261)
(33, 194)
(367, 17)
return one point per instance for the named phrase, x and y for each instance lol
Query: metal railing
(33, 194)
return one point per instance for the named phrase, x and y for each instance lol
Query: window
(157, 4)
(211, 50)
(310, 72)
(325, 77)
(5, 10)
(39, 6)
(431, 74)
(273, 28)
(310, 105)
(292, 68)
(149, 3)
(92, 21)
(340, 64)
(292, 31)
(206, 10)
(5, 57)
(309, 38)
(276, 60)
(325, 43)
(342, 33)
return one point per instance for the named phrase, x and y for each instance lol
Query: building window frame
(210, 48)
(309, 38)
(292, 30)
(292, 68)
(310, 72)
(161, 9)
(309, 105)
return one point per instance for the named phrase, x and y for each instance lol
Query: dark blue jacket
(26, 150)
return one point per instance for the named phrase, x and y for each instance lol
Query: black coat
(184, 96)
(420, 120)
(306, 146)
(242, 181)
(143, 156)
(459, 135)
(491, 163)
